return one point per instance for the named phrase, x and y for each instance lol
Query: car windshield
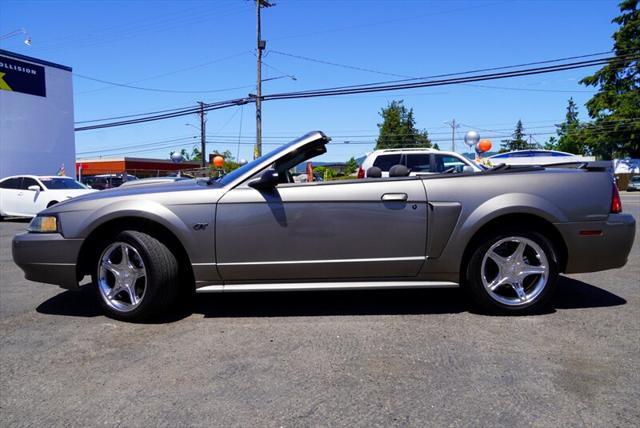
(62, 183)
(228, 178)
(635, 179)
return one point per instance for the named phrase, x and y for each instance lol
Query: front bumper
(607, 250)
(47, 257)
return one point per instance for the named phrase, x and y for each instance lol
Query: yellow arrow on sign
(3, 84)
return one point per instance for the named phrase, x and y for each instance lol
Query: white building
(36, 116)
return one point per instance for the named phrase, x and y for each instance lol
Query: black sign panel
(19, 76)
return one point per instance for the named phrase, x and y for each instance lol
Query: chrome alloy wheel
(122, 277)
(515, 270)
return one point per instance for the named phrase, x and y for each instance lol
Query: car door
(9, 190)
(374, 228)
(30, 202)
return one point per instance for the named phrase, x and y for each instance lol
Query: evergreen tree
(398, 128)
(615, 108)
(351, 167)
(551, 144)
(517, 140)
(569, 132)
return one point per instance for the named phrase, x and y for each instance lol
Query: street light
(284, 76)
(27, 40)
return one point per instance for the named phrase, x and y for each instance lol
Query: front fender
(149, 210)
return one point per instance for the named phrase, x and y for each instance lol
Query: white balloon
(176, 157)
(471, 138)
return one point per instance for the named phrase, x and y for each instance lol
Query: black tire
(161, 279)
(52, 203)
(481, 296)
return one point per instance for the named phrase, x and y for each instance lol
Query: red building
(139, 167)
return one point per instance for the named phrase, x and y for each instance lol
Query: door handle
(394, 197)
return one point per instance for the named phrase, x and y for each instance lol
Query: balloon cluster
(472, 139)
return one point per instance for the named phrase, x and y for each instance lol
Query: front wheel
(513, 272)
(136, 276)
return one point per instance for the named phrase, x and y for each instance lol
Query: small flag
(61, 171)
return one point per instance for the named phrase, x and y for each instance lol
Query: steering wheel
(449, 170)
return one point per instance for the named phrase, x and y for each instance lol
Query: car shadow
(16, 219)
(571, 294)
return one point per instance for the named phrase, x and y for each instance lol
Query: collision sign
(23, 77)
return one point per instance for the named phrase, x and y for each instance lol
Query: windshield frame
(241, 174)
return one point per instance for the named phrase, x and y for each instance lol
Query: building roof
(34, 60)
(129, 159)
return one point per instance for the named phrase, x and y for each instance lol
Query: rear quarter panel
(556, 195)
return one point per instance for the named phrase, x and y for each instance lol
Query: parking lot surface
(385, 358)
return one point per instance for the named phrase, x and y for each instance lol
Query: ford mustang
(504, 234)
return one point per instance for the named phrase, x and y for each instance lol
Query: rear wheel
(136, 276)
(513, 272)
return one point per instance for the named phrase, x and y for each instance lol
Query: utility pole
(261, 45)
(203, 143)
(453, 126)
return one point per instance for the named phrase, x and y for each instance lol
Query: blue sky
(206, 47)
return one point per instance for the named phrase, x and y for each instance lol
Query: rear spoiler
(601, 166)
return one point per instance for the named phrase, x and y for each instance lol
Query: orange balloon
(218, 161)
(484, 145)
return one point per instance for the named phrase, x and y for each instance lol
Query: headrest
(398, 171)
(374, 172)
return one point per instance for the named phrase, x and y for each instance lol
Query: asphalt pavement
(382, 358)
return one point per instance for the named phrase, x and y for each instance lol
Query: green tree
(398, 128)
(615, 108)
(351, 167)
(570, 138)
(517, 140)
(195, 154)
(551, 144)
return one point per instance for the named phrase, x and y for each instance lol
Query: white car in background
(419, 161)
(27, 195)
(536, 157)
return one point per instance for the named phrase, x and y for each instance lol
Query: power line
(157, 76)
(482, 70)
(192, 17)
(354, 89)
(186, 112)
(153, 143)
(369, 70)
(230, 140)
(173, 91)
(395, 81)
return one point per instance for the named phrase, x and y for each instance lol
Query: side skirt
(310, 286)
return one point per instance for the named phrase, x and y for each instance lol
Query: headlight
(43, 224)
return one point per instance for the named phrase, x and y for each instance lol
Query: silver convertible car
(503, 234)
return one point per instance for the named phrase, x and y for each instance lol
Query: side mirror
(468, 168)
(268, 180)
(34, 188)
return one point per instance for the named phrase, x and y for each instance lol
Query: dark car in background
(634, 183)
(107, 181)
